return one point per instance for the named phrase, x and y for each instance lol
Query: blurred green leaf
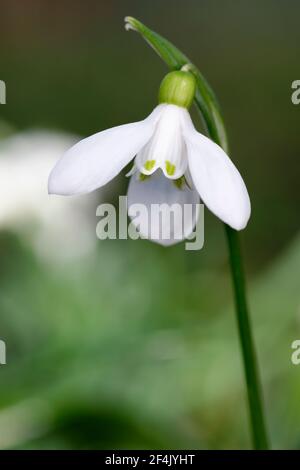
(167, 366)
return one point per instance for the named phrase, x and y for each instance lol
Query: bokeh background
(125, 344)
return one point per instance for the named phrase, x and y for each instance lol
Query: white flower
(185, 165)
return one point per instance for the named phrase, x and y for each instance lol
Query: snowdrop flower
(173, 163)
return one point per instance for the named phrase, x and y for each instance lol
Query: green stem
(210, 112)
(259, 434)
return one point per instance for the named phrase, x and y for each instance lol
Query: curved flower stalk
(165, 146)
(210, 113)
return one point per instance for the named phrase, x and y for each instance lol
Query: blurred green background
(128, 344)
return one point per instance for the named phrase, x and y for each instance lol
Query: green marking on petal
(149, 165)
(170, 168)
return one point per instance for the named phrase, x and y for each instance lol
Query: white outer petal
(217, 180)
(158, 189)
(94, 161)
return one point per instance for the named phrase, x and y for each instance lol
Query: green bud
(178, 88)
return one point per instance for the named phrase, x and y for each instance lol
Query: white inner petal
(166, 149)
